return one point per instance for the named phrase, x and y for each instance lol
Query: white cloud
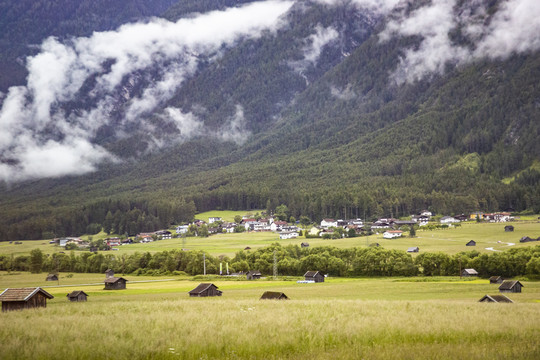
(235, 129)
(315, 44)
(38, 140)
(378, 6)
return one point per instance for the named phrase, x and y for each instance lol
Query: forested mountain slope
(337, 108)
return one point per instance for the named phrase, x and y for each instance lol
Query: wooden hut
(316, 276)
(471, 243)
(253, 275)
(115, 283)
(510, 286)
(495, 280)
(273, 295)
(304, 245)
(495, 298)
(509, 228)
(24, 298)
(413, 249)
(52, 277)
(205, 289)
(77, 295)
(469, 272)
(247, 248)
(109, 273)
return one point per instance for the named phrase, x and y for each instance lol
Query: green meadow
(452, 240)
(375, 318)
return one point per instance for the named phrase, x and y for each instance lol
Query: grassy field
(451, 241)
(387, 318)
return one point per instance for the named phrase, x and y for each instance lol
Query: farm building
(109, 273)
(273, 295)
(528, 239)
(471, 243)
(509, 228)
(247, 248)
(469, 272)
(304, 245)
(512, 286)
(205, 289)
(413, 249)
(52, 277)
(253, 275)
(115, 283)
(392, 234)
(24, 298)
(495, 280)
(316, 276)
(77, 295)
(495, 298)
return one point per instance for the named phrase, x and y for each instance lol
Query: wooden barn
(77, 295)
(273, 295)
(109, 273)
(253, 275)
(247, 248)
(471, 243)
(496, 280)
(24, 298)
(304, 245)
(469, 272)
(115, 283)
(52, 277)
(413, 249)
(205, 289)
(316, 276)
(509, 228)
(510, 286)
(496, 299)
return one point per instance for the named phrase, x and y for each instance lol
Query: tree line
(292, 260)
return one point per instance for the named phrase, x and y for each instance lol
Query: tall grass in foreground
(297, 329)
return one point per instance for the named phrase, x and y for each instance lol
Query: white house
(448, 220)
(182, 229)
(212, 220)
(288, 235)
(426, 213)
(392, 234)
(277, 225)
(326, 223)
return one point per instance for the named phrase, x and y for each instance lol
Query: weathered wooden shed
(247, 248)
(109, 273)
(495, 298)
(316, 276)
(205, 289)
(304, 245)
(509, 228)
(24, 298)
(510, 286)
(471, 243)
(469, 272)
(77, 295)
(413, 249)
(253, 275)
(115, 283)
(496, 280)
(52, 277)
(273, 295)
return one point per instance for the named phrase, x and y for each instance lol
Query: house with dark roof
(510, 286)
(496, 280)
(253, 275)
(24, 298)
(315, 276)
(471, 243)
(77, 295)
(495, 299)
(115, 283)
(469, 272)
(204, 290)
(273, 295)
(52, 277)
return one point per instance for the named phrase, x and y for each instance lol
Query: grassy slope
(342, 318)
(486, 235)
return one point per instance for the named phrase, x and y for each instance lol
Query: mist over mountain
(335, 107)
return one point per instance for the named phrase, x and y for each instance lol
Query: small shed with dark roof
(511, 286)
(24, 298)
(273, 295)
(304, 245)
(471, 243)
(509, 228)
(77, 295)
(316, 276)
(205, 289)
(253, 275)
(469, 272)
(495, 298)
(52, 277)
(496, 280)
(413, 249)
(115, 283)
(247, 248)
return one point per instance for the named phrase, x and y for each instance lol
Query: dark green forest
(457, 142)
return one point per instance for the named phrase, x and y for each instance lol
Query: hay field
(388, 318)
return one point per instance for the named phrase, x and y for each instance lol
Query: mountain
(334, 108)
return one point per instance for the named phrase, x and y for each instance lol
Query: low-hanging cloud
(38, 138)
(514, 28)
